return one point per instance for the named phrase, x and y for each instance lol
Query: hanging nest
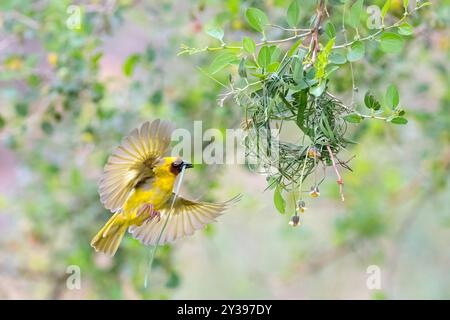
(317, 113)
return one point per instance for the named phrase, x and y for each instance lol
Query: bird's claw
(153, 215)
(147, 213)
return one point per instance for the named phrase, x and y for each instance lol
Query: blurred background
(68, 95)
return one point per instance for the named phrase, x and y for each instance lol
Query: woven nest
(320, 119)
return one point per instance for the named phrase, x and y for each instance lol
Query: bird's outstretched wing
(132, 160)
(186, 217)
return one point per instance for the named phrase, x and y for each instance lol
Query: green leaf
(356, 51)
(264, 56)
(156, 98)
(256, 18)
(324, 124)
(392, 97)
(2, 122)
(241, 70)
(275, 53)
(328, 47)
(221, 61)
(130, 63)
(425, 4)
(302, 54)
(310, 77)
(318, 89)
(371, 102)
(391, 42)
(405, 5)
(278, 200)
(98, 92)
(173, 281)
(251, 64)
(385, 9)
(302, 101)
(293, 13)
(249, 45)
(294, 47)
(405, 29)
(47, 127)
(337, 58)
(303, 85)
(34, 80)
(398, 120)
(355, 13)
(353, 118)
(298, 72)
(150, 54)
(272, 67)
(216, 33)
(322, 59)
(22, 109)
(329, 70)
(330, 30)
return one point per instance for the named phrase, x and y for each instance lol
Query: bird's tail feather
(108, 239)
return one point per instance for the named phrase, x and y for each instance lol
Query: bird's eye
(177, 163)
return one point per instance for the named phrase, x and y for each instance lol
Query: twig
(315, 31)
(344, 31)
(288, 29)
(373, 35)
(191, 51)
(303, 173)
(296, 36)
(371, 117)
(339, 181)
(233, 91)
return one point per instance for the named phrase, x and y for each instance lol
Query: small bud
(313, 152)
(314, 192)
(295, 221)
(301, 206)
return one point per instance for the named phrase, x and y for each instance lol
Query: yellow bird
(137, 186)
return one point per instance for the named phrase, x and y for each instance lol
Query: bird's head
(171, 166)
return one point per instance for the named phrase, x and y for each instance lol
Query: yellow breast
(157, 194)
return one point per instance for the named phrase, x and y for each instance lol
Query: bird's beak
(187, 165)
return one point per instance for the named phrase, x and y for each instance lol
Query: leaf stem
(296, 36)
(369, 37)
(315, 30)
(289, 29)
(352, 73)
(339, 181)
(371, 117)
(192, 51)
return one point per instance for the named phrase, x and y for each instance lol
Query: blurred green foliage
(64, 106)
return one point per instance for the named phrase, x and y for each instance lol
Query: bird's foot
(145, 211)
(155, 214)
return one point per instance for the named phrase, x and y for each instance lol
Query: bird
(137, 187)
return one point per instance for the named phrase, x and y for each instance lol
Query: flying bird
(137, 187)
